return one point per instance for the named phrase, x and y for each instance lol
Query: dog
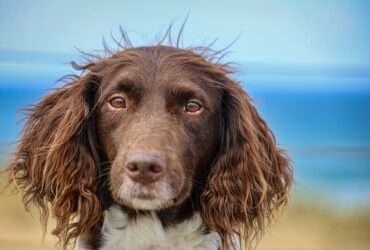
(152, 147)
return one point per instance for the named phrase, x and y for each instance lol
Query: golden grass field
(302, 225)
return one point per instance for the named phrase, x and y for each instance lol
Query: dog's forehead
(159, 62)
(157, 67)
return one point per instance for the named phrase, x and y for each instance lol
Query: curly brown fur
(62, 165)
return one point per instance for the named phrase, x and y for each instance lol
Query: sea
(320, 114)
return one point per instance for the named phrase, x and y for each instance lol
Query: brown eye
(118, 102)
(193, 107)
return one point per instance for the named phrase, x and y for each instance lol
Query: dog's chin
(148, 204)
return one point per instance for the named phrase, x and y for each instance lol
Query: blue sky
(313, 32)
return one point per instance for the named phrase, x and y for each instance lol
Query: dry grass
(18, 229)
(309, 226)
(303, 225)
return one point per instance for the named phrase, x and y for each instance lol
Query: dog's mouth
(145, 196)
(145, 192)
(153, 196)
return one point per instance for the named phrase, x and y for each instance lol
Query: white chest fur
(147, 233)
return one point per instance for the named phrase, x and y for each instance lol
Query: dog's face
(159, 125)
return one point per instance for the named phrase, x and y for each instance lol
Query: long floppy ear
(251, 176)
(54, 163)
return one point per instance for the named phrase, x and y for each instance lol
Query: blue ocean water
(322, 121)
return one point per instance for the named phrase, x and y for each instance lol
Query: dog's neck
(150, 231)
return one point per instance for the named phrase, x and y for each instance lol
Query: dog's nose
(144, 167)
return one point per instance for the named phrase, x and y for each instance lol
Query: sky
(289, 32)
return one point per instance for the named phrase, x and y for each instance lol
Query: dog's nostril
(155, 168)
(132, 167)
(144, 168)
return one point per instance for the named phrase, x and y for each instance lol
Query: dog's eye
(193, 107)
(118, 102)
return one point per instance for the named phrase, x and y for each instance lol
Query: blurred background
(306, 64)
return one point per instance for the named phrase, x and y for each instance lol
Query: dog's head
(158, 121)
(151, 128)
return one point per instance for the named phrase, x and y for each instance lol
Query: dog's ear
(55, 162)
(251, 176)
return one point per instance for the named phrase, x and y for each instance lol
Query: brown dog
(156, 131)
